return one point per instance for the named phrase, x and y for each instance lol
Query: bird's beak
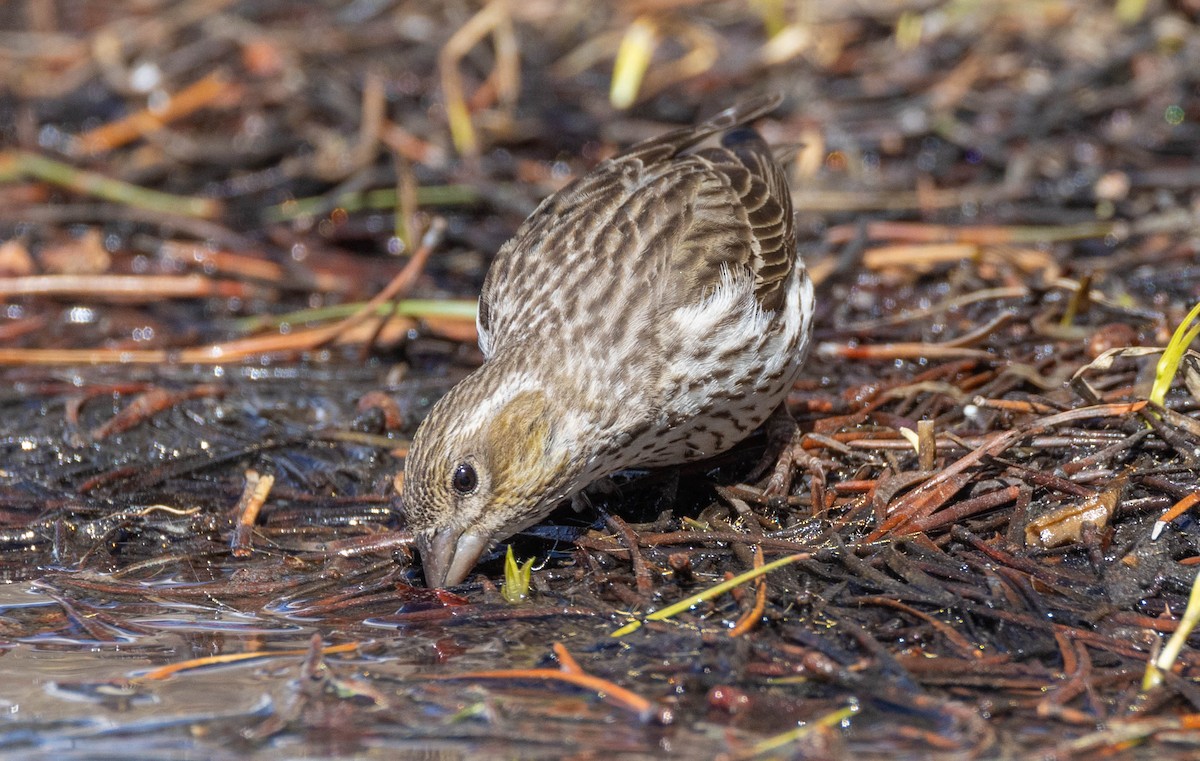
(449, 555)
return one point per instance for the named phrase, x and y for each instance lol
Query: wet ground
(202, 422)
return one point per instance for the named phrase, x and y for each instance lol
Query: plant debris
(238, 245)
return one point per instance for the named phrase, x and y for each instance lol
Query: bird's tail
(671, 143)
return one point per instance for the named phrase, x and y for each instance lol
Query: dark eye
(465, 479)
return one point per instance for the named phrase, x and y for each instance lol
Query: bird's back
(666, 286)
(658, 218)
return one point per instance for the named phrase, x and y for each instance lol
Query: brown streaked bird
(652, 312)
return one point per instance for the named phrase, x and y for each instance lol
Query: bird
(654, 311)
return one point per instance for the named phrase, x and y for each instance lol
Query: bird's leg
(785, 451)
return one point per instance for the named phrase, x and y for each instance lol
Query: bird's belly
(710, 416)
(727, 382)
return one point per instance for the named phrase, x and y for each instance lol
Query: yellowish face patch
(518, 438)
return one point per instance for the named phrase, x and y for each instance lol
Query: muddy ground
(239, 247)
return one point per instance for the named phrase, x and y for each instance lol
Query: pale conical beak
(449, 555)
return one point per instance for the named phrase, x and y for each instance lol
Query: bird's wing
(738, 202)
(748, 171)
(656, 217)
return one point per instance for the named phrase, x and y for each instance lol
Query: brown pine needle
(150, 403)
(754, 615)
(1173, 512)
(399, 285)
(125, 130)
(172, 669)
(254, 496)
(916, 505)
(572, 674)
(231, 351)
(565, 659)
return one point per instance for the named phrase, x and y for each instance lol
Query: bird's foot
(785, 456)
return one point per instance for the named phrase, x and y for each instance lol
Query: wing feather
(660, 214)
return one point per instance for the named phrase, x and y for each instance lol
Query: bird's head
(486, 463)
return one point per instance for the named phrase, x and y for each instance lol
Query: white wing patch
(730, 310)
(485, 338)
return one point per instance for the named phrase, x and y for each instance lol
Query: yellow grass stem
(710, 593)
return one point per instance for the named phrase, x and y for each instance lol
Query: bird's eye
(465, 479)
